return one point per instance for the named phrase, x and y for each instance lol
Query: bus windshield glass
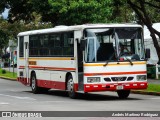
(112, 44)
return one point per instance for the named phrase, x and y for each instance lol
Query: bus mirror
(83, 44)
(147, 55)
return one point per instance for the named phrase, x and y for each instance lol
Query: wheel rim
(70, 85)
(33, 82)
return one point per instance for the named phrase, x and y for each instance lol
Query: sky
(5, 13)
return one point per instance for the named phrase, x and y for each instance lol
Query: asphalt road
(16, 97)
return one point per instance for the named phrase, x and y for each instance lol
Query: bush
(3, 71)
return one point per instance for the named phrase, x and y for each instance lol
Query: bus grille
(116, 79)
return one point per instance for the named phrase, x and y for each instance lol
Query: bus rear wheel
(123, 93)
(34, 87)
(70, 87)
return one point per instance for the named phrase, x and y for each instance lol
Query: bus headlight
(93, 79)
(141, 77)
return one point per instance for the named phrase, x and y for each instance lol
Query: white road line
(18, 97)
(155, 98)
(3, 103)
(54, 101)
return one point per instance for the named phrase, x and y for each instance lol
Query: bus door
(26, 59)
(80, 69)
(79, 54)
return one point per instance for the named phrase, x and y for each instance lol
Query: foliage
(2, 5)
(32, 14)
(9, 31)
(4, 36)
(75, 12)
(8, 74)
(3, 71)
(145, 17)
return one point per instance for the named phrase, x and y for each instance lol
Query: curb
(145, 92)
(7, 78)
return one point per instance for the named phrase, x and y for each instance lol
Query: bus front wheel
(70, 87)
(123, 93)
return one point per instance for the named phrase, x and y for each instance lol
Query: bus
(83, 58)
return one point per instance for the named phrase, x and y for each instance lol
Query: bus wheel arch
(32, 73)
(33, 82)
(70, 86)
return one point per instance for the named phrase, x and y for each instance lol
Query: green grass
(153, 88)
(7, 74)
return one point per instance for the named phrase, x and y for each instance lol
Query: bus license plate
(119, 87)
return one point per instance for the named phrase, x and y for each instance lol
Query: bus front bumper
(115, 86)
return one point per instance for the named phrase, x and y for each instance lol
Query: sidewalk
(153, 81)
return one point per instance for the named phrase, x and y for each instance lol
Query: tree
(9, 31)
(71, 12)
(2, 5)
(145, 17)
(3, 35)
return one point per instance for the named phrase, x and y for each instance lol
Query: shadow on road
(87, 96)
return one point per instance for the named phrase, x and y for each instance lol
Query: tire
(123, 94)
(70, 87)
(34, 87)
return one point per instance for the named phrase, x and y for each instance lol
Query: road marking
(18, 97)
(3, 103)
(54, 101)
(155, 98)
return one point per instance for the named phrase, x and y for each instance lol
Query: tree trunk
(140, 10)
(155, 40)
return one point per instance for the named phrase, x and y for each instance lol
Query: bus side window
(21, 46)
(68, 44)
(34, 45)
(55, 44)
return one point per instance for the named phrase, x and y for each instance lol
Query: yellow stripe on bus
(115, 64)
(53, 58)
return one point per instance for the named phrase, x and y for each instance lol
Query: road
(16, 97)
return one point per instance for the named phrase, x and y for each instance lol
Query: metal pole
(13, 61)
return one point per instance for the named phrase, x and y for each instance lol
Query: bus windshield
(112, 44)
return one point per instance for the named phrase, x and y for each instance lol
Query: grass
(7, 74)
(153, 88)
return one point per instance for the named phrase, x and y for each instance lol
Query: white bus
(83, 58)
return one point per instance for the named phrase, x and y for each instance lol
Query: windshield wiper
(129, 60)
(106, 64)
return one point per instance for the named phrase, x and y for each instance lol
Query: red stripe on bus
(115, 73)
(48, 84)
(49, 68)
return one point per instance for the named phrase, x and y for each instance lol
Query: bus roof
(63, 28)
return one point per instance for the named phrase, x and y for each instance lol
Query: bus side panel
(53, 79)
(51, 73)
